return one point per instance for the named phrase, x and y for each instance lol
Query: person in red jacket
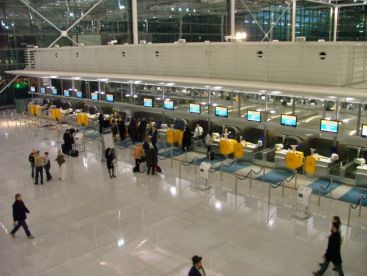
(19, 216)
(332, 253)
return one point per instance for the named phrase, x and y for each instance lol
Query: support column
(294, 15)
(134, 13)
(233, 16)
(336, 20)
(358, 131)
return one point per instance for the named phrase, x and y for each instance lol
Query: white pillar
(336, 19)
(134, 14)
(294, 15)
(233, 16)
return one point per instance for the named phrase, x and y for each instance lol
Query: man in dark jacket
(197, 267)
(186, 139)
(31, 157)
(19, 216)
(68, 141)
(332, 252)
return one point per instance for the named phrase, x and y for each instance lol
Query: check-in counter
(323, 165)
(288, 159)
(361, 176)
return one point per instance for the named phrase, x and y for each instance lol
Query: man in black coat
(186, 139)
(19, 216)
(68, 141)
(332, 253)
(197, 267)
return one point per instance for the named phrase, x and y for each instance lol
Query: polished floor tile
(152, 225)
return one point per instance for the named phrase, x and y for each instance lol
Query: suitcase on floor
(74, 153)
(157, 169)
(136, 169)
(212, 155)
(63, 149)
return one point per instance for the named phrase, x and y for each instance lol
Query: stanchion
(235, 184)
(221, 171)
(179, 169)
(250, 179)
(45, 127)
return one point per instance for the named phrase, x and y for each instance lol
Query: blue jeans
(25, 227)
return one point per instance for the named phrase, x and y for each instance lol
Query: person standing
(47, 166)
(101, 122)
(138, 156)
(197, 267)
(154, 134)
(208, 144)
(198, 132)
(60, 159)
(151, 157)
(186, 139)
(122, 129)
(68, 142)
(110, 160)
(31, 157)
(38, 162)
(114, 130)
(332, 253)
(19, 216)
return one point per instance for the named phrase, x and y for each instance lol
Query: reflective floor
(152, 225)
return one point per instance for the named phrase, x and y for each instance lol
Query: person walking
(31, 157)
(151, 157)
(19, 216)
(110, 160)
(332, 253)
(60, 159)
(197, 268)
(186, 139)
(38, 163)
(47, 166)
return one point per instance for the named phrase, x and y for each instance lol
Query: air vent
(123, 54)
(260, 54)
(77, 54)
(322, 55)
(157, 53)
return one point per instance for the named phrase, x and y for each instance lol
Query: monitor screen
(288, 120)
(221, 111)
(195, 108)
(148, 102)
(168, 104)
(109, 98)
(66, 93)
(43, 90)
(253, 116)
(94, 96)
(79, 94)
(329, 126)
(54, 91)
(33, 89)
(364, 131)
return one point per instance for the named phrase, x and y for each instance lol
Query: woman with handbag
(60, 159)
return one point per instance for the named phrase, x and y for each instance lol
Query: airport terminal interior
(198, 137)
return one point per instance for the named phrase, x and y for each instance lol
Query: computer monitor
(109, 97)
(168, 105)
(66, 93)
(195, 108)
(33, 89)
(53, 91)
(253, 116)
(43, 90)
(331, 126)
(148, 102)
(364, 131)
(79, 94)
(94, 96)
(221, 111)
(288, 120)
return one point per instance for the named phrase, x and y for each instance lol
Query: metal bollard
(349, 212)
(250, 179)
(295, 179)
(179, 169)
(318, 202)
(283, 189)
(235, 184)
(360, 209)
(269, 194)
(221, 171)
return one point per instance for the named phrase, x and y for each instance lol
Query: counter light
(76, 78)
(217, 87)
(170, 84)
(159, 98)
(214, 104)
(135, 96)
(53, 77)
(203, 103)
(241, 36)
(276, 92)
(103, 80)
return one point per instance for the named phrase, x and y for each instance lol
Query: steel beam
(233, 16)
(336, 19)
(294, 15)
(134, 13)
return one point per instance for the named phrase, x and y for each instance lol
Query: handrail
(359, 202)
(244, 177)
(228, 165)
(324, 189)
(351, 206)
(290, 179)
(277, 185)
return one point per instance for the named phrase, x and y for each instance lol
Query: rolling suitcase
(74, 153)
(212, 155)
(63, 149)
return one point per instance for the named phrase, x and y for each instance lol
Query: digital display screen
(109, 98)
(221, 111)
(288, 120)
(79, 94)
(195, 108)
(33, 89)
(43, 90)
(148, 102)
(253, 116)
(66, 93)
(329, 126)
(94, 96)
(54, 91)
(168, 104)
(364, 131)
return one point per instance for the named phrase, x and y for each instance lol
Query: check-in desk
(323, 166)
(249, 150)
(174, 136)
(361, 176)
(288, 159)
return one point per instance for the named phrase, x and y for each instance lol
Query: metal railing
(358, 204)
